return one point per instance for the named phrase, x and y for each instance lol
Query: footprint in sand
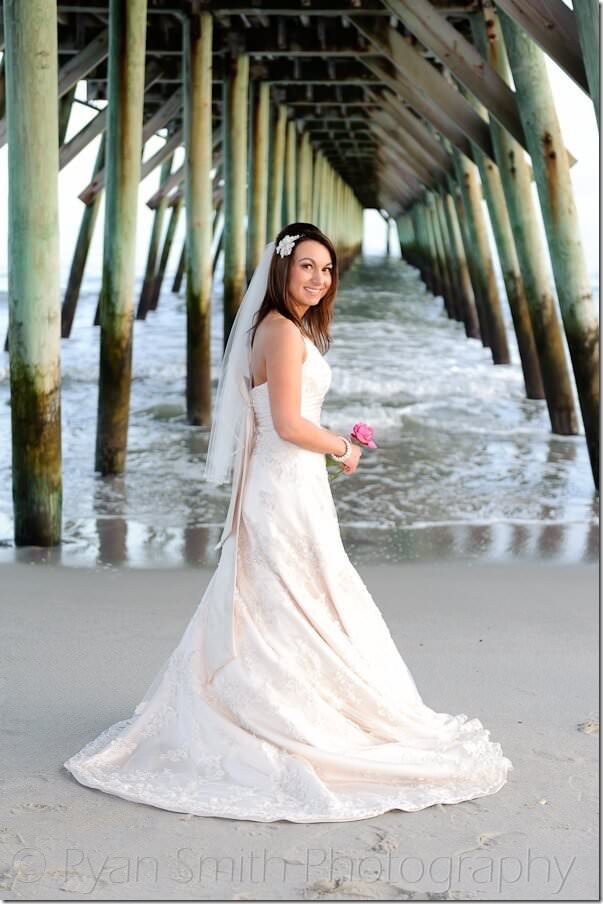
(493, 839)
(39, 808)
(547, 755)
(385, 843)
(377, 891)
(591, 726)
(352, 890)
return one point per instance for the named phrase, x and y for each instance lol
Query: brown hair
(316, 320)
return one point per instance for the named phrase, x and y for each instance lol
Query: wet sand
(513, 644)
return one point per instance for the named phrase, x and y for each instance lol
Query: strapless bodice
(316, 379)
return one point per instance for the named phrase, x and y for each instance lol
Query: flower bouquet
(361, 435)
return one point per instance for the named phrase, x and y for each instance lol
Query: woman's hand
(349, 466)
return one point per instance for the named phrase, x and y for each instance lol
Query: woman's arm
(284, 359)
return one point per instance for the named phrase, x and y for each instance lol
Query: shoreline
(515, 645)
(120, 543)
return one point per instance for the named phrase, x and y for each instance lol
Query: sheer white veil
(232, 396)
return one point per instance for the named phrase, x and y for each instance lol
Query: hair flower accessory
(285, 246)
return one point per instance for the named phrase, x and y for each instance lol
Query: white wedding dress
(287, 697)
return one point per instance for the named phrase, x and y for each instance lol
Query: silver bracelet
(348, 450)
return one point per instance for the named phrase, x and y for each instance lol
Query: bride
(286, 697)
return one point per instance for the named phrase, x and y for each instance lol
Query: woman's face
(310, 274)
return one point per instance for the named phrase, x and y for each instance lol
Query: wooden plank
(83, 138)
(393, 146)
(416, 132)
(74, 70)
(553, 26)
(88, 194)
(84, 62)
(462, 58)
(430, 83)
(422, 105)
(412, 148)
(270, 7)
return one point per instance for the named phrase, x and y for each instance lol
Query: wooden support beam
(80, 255)
(174, 141)
(395, 150)
(436, 33)
(304, 182)
(172, 182)
(98, 125)
(448, 289)
(486, 289)
(403, 174)
(176, 179)
(127, 33)
(33, 282)
(74, 70)
(416, 130)
(332, 8)
(588, 19)
(465, 296)
(553, 180)
(277, 171)
(414, 68)
(175, 209)
(267, 8)
(411, 149)
(197, 76)
(88, 133)
(553, 26)
(144, 302)
(515, 176)
(423, 105)
(400, 189)
(316, 176)
(438, 275)
(258, 194)
(235, 195)
(348, 95)
(291, 173)
(65, 107)
(83, 62)
(317, 71)
(509, 263)
(2, 91)
(167, 111)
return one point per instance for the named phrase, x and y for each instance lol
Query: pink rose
(364, 434)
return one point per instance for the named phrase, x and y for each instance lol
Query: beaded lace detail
(317, 718)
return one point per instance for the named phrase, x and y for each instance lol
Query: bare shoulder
(281, 332)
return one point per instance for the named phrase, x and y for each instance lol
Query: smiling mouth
(313, 291)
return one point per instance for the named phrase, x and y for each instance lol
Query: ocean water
(467, 468)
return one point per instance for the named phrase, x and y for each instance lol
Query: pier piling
(33, 270)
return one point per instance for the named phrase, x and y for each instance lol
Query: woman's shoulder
(280, 327)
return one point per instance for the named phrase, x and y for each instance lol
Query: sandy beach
(512, 644)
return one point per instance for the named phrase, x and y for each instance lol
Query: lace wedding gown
(286, 697)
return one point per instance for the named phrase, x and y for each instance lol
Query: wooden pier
(298, 111)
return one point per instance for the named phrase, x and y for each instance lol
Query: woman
(286, 697)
